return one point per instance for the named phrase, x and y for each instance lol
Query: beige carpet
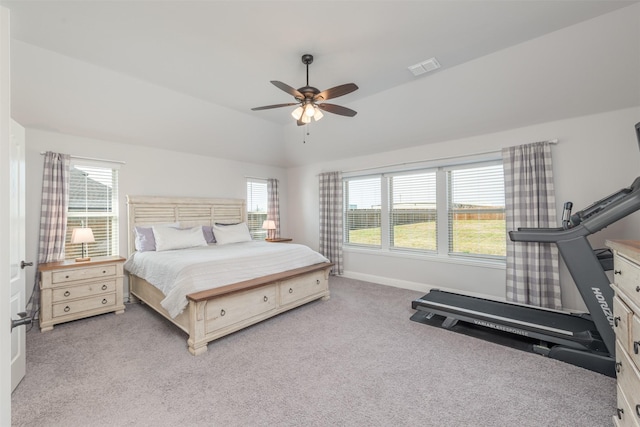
(355, 360)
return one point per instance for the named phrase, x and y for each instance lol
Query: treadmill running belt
(550, 319)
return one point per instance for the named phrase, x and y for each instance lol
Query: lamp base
(83, 259)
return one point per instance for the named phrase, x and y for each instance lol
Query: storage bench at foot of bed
(218, 312)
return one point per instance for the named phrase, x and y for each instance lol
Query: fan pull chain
(305, 133)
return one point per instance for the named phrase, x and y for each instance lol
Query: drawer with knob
(83, 274)
(295, 289)
(67, 308)
(627, 277)
(238, 307)
(82, 291)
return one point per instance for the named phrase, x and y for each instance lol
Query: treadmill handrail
(607, 216)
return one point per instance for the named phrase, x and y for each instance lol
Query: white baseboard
(396, 283)
(413, 286)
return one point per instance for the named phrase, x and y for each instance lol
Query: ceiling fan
(310, 100)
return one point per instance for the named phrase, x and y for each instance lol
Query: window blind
(362, 211)
(476, 211)
(93, 203)
(412, 211)
(257, 207)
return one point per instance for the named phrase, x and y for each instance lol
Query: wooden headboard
(188, 211)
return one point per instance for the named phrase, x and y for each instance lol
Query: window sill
(451, 259)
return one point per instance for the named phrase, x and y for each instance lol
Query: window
(362, 211)
(449, 210)
(93, 203)
(476, 211)
(412, 211)
(256, 207)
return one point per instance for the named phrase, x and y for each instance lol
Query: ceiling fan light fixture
(305, 119)
(318, 115)
(297, 113)
(309, 110)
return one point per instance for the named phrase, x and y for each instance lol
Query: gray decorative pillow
(145, 240)
(207, 230)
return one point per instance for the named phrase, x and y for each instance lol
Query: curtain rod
(42, 153)
(550, 141)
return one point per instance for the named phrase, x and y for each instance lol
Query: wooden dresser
(72, 290)
(626, 312)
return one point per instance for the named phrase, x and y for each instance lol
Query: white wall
(596, 155)
(147, 171)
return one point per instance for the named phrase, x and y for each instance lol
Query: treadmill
(585, 339)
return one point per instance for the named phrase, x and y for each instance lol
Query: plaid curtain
(53, 215)
(273, 204)
(532, 268)
(331, 219)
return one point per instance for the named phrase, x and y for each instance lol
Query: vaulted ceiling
(184, 75)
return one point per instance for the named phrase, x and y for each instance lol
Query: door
(5, 294)
(17, 251)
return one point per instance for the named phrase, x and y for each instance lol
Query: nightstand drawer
(82, 291)
(82, 274)
(72, 307)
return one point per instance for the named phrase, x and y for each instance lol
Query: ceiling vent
(424, 66)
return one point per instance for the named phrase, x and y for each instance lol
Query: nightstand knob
(636, 347)
(317, 281)
(620, 412)
(637, 288)
(616, 320)
(617, 272)
(104, 271)
(67, 293)
(290, 290)
(222, 312)
(618, 367)
(66, 277)
(104, 287)
(66, 309)
(638, 410)
(265, 298)
(104, 301)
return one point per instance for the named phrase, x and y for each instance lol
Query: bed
(212, 313)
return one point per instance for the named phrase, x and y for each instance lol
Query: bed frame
(214, 313)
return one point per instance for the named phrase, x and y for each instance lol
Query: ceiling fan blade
(268, 107)
(335, 92)
(291, 91)
(337, 109)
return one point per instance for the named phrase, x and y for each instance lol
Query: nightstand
(71, 290)
(279, 240)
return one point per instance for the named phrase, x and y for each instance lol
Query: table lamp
(270, 226)
(84, 236)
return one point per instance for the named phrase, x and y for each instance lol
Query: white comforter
(179, 273)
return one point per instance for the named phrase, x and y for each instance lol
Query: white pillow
(144, 240)
(231, 233)
(168, 238)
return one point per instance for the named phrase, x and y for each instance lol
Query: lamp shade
(82, 235)
(269, 225)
